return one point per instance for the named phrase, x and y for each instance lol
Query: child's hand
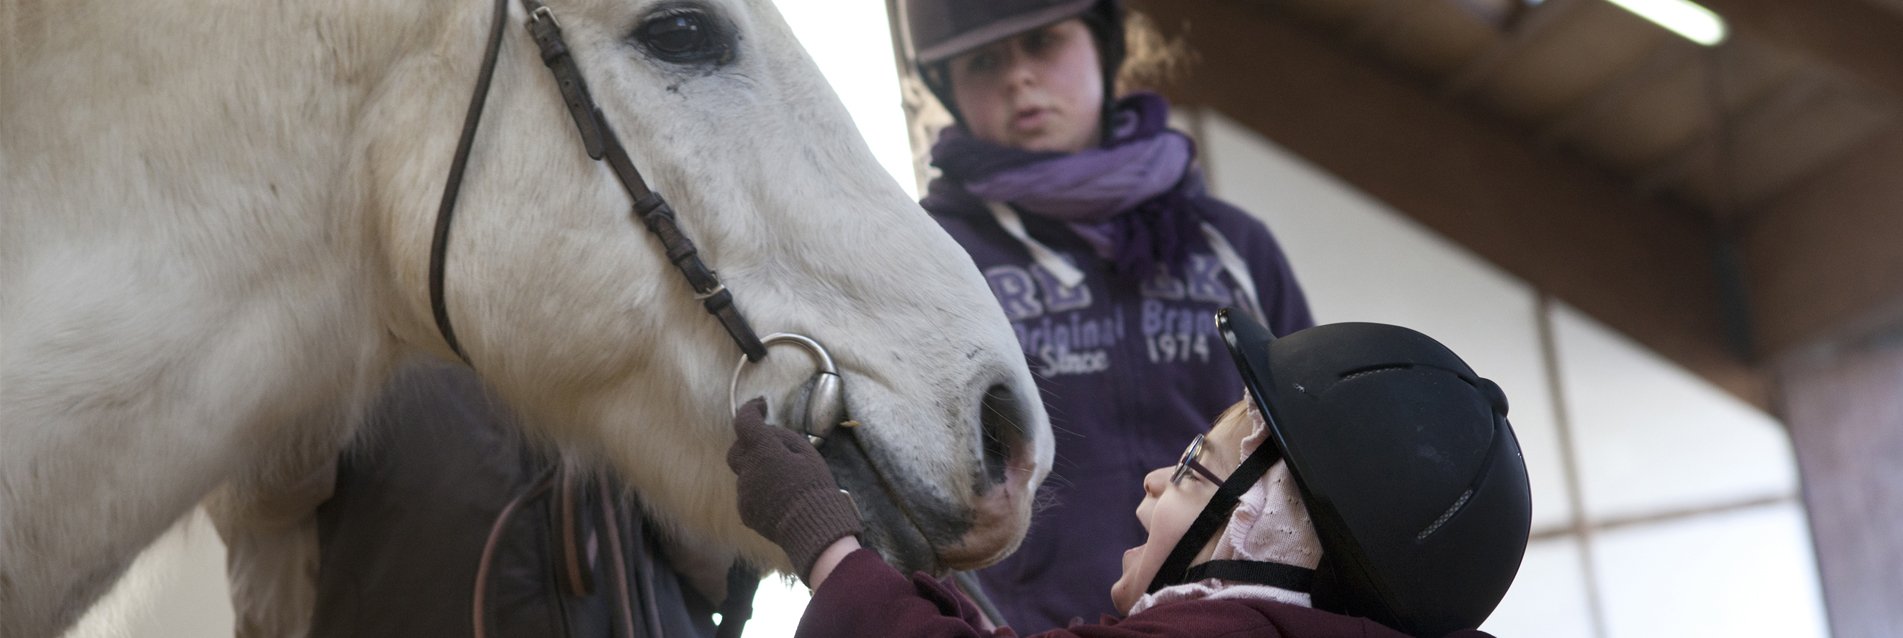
(786, 492)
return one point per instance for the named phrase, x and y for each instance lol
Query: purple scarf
(1125, 197)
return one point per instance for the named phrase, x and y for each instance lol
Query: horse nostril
(1000, 421)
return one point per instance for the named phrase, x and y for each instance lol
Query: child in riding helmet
(1367, 485)
(1088, 217)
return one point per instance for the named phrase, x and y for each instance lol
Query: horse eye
(684, 37)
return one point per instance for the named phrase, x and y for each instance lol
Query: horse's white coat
(215, 219)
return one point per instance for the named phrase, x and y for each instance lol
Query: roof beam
(1528, 29)
(1379, 22)
(1786, 101)
(1853, 35)
(1665, 57)
(1823, 260)
(1639, 265)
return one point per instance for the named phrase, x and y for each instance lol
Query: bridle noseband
(601, 143)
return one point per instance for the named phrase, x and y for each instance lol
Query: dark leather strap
(576, 521)
(649, 206)
(486, 561)
(472, 117)
(658, 216)
(737, 609)
(581, 106)
(1287, 577)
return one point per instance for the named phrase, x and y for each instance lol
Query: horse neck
(211, 122)
(189, 164)
(184, 245)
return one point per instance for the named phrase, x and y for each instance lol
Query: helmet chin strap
(1176, 569)
(1259, 572)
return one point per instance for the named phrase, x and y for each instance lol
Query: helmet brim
(967, 41)
(1248, 341)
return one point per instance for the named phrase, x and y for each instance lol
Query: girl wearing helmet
(1088, 216)
(1368, 485)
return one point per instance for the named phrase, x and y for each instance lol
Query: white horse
(215, 221)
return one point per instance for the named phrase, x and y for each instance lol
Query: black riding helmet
(1406, 463)
(939, 30)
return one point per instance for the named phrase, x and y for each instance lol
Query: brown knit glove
(786, 492)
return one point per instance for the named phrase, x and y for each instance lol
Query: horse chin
(999, 522)
(915, 533)
(904, 539)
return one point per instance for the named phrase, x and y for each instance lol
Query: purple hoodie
(1130, 373)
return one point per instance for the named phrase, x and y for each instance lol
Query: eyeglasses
(1188, 462)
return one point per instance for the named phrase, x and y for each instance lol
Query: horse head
(573, 311)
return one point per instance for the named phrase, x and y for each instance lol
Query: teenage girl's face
(1168, 508)
(1041, 90)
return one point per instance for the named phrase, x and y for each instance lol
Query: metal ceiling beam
(1566, 227)
(1853, 35)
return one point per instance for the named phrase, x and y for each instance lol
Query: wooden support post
(1845, 412)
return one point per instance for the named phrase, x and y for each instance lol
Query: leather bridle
(601, 143)
(599, 140)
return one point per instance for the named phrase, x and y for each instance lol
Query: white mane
(215, 219)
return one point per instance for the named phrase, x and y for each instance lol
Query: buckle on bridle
(717, 289)
(542, 12)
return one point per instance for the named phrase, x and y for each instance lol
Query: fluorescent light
(1696, 23)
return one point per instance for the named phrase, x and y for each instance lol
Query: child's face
(1041, 90)
(1168, 508)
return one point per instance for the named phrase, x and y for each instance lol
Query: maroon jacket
(866, 597)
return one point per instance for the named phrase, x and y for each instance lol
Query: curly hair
(1154, 59)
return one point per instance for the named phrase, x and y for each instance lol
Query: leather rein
(601, 143)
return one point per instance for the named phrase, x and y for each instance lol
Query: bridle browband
(600, 141)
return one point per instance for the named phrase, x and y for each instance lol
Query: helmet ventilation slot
(1445, 516)
(1362, 372)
